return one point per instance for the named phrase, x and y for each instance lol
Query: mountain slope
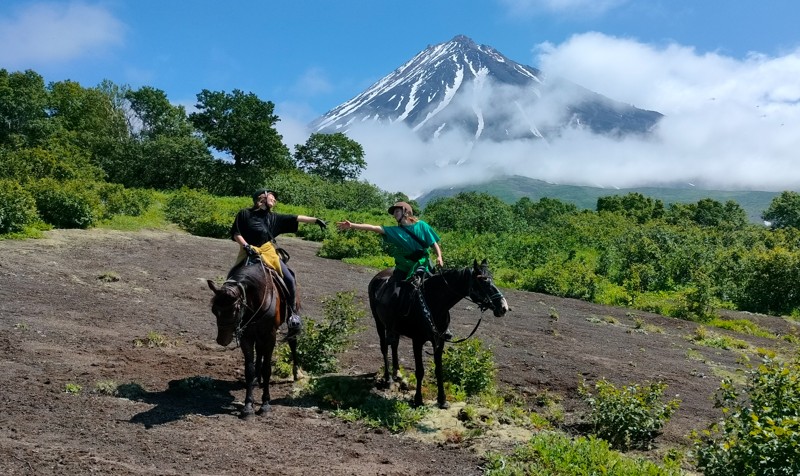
(462, 87)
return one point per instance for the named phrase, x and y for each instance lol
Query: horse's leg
(249, 376)
(387, 379)
(419, 369)
(293, 348)
(266, 372)
(437, 361)
(395, 360)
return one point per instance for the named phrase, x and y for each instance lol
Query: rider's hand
(321, 223)
(250, 250)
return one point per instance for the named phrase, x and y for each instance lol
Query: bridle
(483, 302)
(239, 307)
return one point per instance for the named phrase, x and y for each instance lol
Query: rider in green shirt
(409, 243)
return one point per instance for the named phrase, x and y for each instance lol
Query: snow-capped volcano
(475, 90)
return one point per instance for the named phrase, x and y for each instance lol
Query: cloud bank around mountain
(729, 124)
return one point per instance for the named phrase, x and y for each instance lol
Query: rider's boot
(294, 324)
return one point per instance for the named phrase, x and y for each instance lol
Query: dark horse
(248, 306)
(442, 291)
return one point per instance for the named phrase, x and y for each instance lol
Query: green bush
(73, 204)
(630, 417)
(319, 342)
(554, 454)
(17, 207)
(760, 430)
(470, 366)
(351, 244)
(118, 200)
(185, 206)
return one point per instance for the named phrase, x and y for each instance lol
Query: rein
(483, 305)
(241, 305)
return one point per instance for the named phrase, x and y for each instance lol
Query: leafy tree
(546, 210)
(23, 108)
(92, 119)
(242, 126)
(633, 205)
(784, 210)
(334, 157)
(171, 156)
(470, 212)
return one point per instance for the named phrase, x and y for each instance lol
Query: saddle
(397, 293)
(283, 291)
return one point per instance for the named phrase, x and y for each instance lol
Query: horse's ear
(485, 262)
(475, 263)
(212, 286)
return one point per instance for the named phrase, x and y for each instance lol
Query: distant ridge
(510, 189)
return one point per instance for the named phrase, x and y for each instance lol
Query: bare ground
(72, 305)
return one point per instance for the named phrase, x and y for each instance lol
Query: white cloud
(313, 82)
(54, 32)
(729, 124)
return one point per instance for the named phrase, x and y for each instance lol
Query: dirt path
(72, 305)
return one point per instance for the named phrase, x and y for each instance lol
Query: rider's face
(398, 214)
(267, 200)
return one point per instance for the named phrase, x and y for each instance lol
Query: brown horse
(441, 291)
(248, 306)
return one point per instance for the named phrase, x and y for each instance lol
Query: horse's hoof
(444, 405)
(265, 408)
(247, 412)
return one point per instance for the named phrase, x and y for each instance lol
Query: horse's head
(228, 305)
(483, 292)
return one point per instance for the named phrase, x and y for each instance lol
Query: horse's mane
(251, 276)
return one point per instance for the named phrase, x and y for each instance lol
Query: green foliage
(333, 157)
(193, 210)
(555, 454)
(72, 204)
(760, 430)
(766, 272)
(470, 212)
(350, 244)
(17, 207)
(23, 108)
(628, 417)
(784, 210)
(243, 126)
(633, 205)
(320, 342)
(545, 211)
(118, 200)
(470, 366)
(352, 400)
(297, 188)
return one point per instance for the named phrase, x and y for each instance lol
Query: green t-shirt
(401, 244)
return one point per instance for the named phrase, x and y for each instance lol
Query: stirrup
(294, 323)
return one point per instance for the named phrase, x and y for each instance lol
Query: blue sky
(723, 71)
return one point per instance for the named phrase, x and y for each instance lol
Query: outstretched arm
(438, 250)
(318, 221)
(347, 225)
